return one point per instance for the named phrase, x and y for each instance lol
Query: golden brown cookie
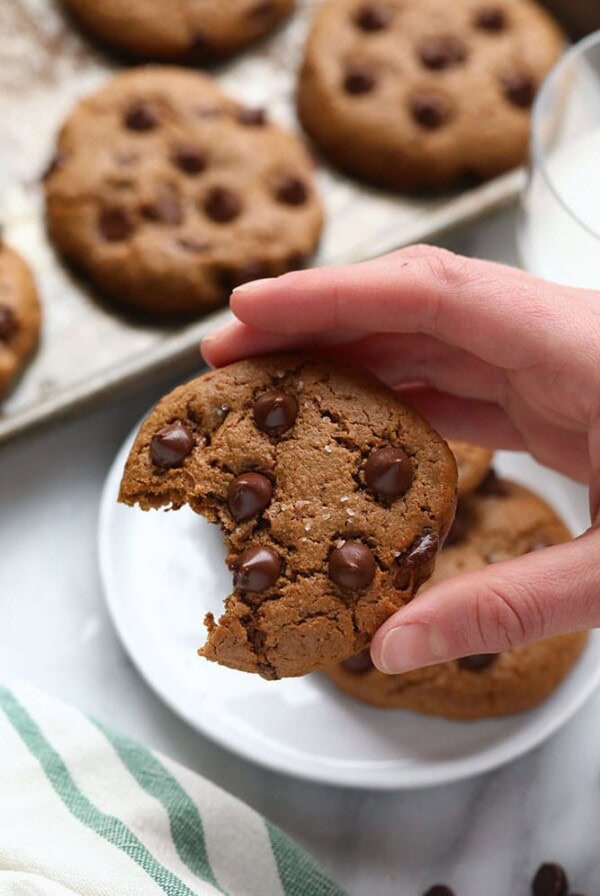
(333, 498)
(473, 464)
(414, 94)
(167, 193)
(20, 316)
(181, 30)
(505, 521)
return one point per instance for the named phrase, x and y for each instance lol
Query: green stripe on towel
(111, 829)
(297, 871)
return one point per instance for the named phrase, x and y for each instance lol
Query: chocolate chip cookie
(182, 30)
(419, 94)
(333, 498)
(167, 193)
(473, 464)
(501, 521)
(20, 316)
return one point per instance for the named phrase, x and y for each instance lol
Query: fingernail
(411, 646)
(252, 284)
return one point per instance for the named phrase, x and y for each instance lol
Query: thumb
(545, 593)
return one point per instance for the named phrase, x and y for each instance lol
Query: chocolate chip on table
(115, 223)
(493, 486)
(248, 494)
(257, 569)
(292, 191)
(189, 159)
(140, 117)
(275, 412)
(360, 663)
(359, 79)
(519, 89)
(8, 323)
(389, 472)
(373, 16)
(170, 446)
(251, 117)
(478, 662)
(429, 108)
(550, 880)
(442, 52)
(422, 550)
(439, 890)
(490, 18)
(352, 565)
(222, 205)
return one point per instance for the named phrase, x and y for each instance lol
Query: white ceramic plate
(163, 571)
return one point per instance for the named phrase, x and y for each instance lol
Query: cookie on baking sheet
(20, 316)
(418, 94)
(182, 30)
(473, 464)
(501, 521)
(333, 497)
(167, 193)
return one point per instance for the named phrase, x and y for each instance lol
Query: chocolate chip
(442, 52)
(490, 18)
(257, 569)
(458, 530)
(251, 117)
(170, 446)
(422, 550)
(219, 414)
(373, 17)
(360, 663)
(8, 323)
(478, 662)
(493, 486)
(115, 223)
(199, 47)
(222, 205)
(292, 191)
(439, 890)
(166, 209)
(352, 565)
(140, 116)
(519, 89)
(359, 79)
(275, 412)
(430, 109)
(248, 494)
(189, 159)
(389, 472)
(550, 880)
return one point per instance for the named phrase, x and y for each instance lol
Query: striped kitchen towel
(86, 811)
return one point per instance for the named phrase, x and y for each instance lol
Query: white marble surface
(483, 836)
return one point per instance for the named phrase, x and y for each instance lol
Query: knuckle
(511, 614)
(445, 267)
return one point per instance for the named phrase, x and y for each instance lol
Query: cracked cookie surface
(184, 31)
(167, 193)
(20, 316)
(502, 521)
(422, 94)
(332, 495)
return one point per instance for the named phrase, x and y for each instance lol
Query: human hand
(490, 355)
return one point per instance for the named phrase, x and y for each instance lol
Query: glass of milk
(559, 222)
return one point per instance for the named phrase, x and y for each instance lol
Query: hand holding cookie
(503, 359)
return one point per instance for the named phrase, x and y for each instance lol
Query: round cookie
(188, 31)
(419, 94)
(167, 193)
(498, 524)
(333, 498)
(473, 464)
(20, 316)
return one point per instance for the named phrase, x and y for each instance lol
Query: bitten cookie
(473, 464)
(414, 94)
(20, 316)
(333, 498)
(167, 193)
(182, 31)
(500, 522)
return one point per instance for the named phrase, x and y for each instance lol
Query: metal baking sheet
(88, 350)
